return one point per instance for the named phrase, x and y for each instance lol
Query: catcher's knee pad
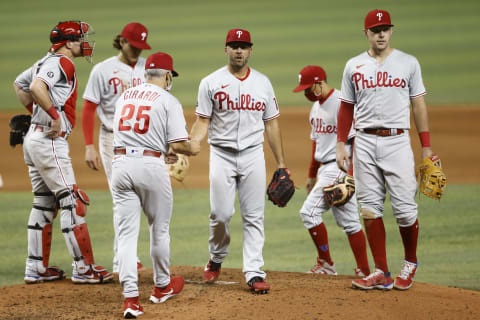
(40, 227)
(75, 200)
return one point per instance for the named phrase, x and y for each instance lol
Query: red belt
(42, 129)
(149, 153)
(384, 132)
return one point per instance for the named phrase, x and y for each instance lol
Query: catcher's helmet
(72, 31)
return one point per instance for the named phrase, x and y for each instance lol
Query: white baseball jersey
(382, 92)
(323, 120)
(148, 116)
(57, 71)
(108, 80)
(237, 107)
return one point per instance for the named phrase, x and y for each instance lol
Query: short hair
(155, 73)
(116, 42)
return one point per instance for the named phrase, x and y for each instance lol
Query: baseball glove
(432, 179)
(19, 125)
(340, 192)
(281, 188)
(179, 168)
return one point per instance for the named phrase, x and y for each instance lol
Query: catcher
(327, 186)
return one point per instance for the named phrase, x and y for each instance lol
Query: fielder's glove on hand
(19, 126)
(281, 188)
(432, 179)
(178, 170)
(340, 192)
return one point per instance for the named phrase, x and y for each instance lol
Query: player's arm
(420, 116)
(92, 157)
(312, 170)
(186, 147)
(39, 91)
(24, 97)
(274, 137)
(199, 129)
(344, 123)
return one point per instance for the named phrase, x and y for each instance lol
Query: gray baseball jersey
(148, 116)
(237, 107)
(108, 80)
(323, 120)
(382, 92)
(55, 70)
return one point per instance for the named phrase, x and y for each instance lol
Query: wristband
(53, 113)
(425, 139)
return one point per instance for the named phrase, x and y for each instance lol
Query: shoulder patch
(67, 67)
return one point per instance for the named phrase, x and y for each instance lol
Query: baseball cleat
(160, 295)
(94, 274)
(405, 279)
(211, 272)
(51, 273)
(132, 308)
(376, 280)
(323, 267)
(258, 285)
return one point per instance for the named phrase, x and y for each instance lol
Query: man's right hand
(91, 157)
(310, 184)
(343, 161)
(55, 128)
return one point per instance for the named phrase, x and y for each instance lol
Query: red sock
(320, 238)
(376, 239)
(409, 238)
(359, 249)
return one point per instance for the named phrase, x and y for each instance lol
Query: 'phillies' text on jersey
(383, 80)
(246, 102)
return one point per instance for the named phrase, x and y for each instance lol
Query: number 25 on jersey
(128, 112)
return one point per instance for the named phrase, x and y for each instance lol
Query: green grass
(287, 35)
(448, 250)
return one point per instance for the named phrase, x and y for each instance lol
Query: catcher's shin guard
(83, 240)
(40, 229)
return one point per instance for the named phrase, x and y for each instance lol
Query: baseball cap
(136, 34)
(377, 18)
(308, 76)
(160, 60)
(238, 35)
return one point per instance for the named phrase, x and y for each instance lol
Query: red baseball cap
(160, 60)
(377, 18)
(136, 34)
(308, 76)
(238, 35)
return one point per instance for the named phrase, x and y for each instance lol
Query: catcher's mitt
(179, 169)
(340, 192)
(281, 188)
(19, 125)
(432, 179)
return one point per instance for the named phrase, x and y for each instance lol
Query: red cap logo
(308, 76)
(377, 18)
(136, 34)
(160, 60)
(238, 35)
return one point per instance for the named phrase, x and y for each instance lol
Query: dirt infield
(301, 296)
(454, 137)
(293, 296)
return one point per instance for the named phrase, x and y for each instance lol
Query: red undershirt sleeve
(345, 119)
(314, 164)
(88, 121)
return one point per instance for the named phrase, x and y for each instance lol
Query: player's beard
(238, 64)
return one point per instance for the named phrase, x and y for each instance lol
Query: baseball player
(49, 87)
(108, 80)
(236, 104)
(148, 121)
(323, 120)
(378, 86)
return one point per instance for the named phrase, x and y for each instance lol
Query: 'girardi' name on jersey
(246, 102)
(145, 95)
(383, 80)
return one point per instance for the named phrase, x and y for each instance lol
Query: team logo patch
(50, 74)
